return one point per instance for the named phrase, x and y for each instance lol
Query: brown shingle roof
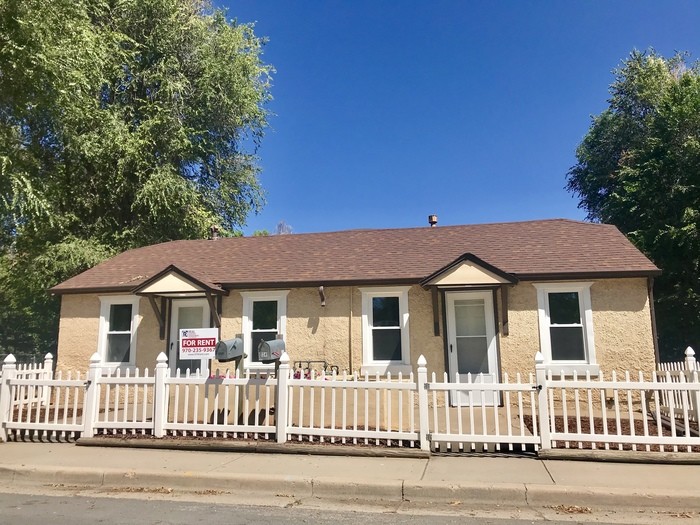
(536, 249)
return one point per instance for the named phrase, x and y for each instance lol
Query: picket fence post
(48, 366)
(9, 372)
(542, 404)
(691, 376)
(91, 401)
(690, 362)
(281, 403)
(160, 400)
(421, 382)
(47, 373)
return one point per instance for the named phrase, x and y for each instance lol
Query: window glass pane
(190, 317)
(257, 337)
(472, 355)
(120, 318)
(264, 315)
(567, 343)
(386, 344)
(385, 311)
(470, 317)
(563, 308)
(118, 348)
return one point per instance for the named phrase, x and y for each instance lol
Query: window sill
(566, 370)
(383, 369)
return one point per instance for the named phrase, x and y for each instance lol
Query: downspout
(654, 334)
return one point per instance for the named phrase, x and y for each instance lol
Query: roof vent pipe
(214, 230)
(432, 220)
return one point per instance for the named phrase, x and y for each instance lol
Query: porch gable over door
(468, 270)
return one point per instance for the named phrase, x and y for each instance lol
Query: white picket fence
(541, 410)
(34, 372)
(673, 401)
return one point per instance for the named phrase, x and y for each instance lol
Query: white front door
(471, 344)
(187, 313)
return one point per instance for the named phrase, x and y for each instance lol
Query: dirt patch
(208, 436)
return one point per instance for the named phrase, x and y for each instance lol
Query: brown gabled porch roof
(546, 249)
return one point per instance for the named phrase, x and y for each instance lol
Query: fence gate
(472, 425)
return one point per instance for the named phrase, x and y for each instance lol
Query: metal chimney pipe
(432, 220)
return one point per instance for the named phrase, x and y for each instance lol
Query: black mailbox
(229, 350)
(270, 351)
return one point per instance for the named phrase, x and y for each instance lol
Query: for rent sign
(198, 343)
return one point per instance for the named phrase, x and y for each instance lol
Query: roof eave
(618, 274)
(375, 282)
(93, 289)
(320, 282)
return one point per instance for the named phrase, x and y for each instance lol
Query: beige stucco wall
(79, 326)
(148, 342)
(621, 326)
(621, 317)
(78, 330)
(333, 333)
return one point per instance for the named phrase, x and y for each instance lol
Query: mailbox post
(282, 399)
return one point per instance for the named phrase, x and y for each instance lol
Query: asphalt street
(41, 506)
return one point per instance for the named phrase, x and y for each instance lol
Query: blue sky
(386, 112)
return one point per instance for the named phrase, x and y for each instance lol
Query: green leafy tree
(122, 123)
(639, 169)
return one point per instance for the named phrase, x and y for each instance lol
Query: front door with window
(187, 313)
(471, 344)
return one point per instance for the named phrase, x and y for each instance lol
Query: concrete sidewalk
(470, 480)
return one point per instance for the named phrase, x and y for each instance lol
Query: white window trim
(567, 367)
(105, 303)
(369, 365)
(248, 299)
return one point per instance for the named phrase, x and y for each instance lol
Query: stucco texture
(621, 317)
(333, 333)
(621, 326)
(78, 330)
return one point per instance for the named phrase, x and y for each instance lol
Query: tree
(639, 169)
(122, 123)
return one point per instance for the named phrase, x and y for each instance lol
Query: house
(472, 299)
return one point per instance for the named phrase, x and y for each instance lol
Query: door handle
(451, 348)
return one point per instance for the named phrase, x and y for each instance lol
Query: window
(385, 337)
(118, 322)
(566, 327)
(264, 318)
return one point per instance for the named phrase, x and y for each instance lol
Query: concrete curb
(213, 445)
(621, 456)
(338, 489)
(51, 475)
(506, 494)
(610, 498)
(502, 495)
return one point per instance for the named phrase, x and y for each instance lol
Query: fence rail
(519, 413)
